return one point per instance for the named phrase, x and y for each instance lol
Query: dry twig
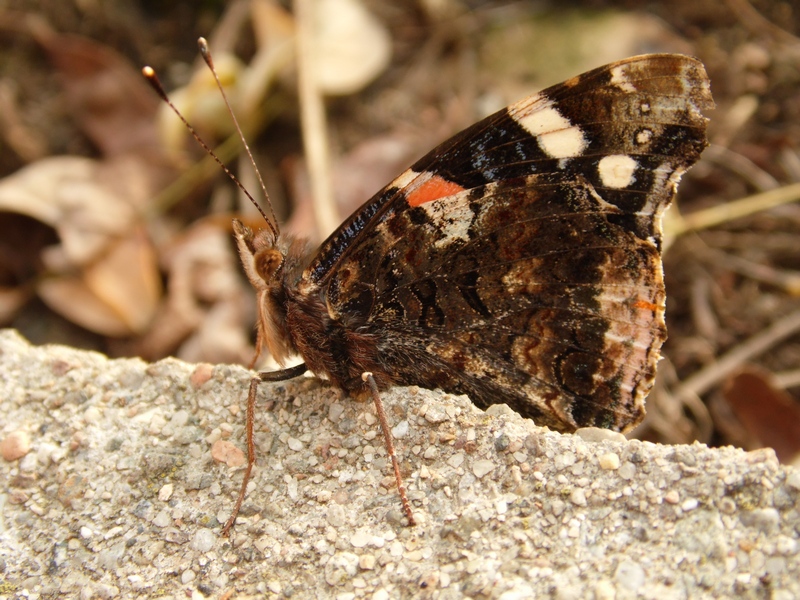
(707, 377)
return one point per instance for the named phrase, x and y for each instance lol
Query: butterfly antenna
(155, 83)
(205, 51)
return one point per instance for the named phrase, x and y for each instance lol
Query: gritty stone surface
(119, 496)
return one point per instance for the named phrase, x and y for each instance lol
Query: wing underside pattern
(520, 261)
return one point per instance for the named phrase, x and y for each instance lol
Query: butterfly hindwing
(519, 262)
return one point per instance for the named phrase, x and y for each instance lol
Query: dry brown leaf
(272, 24)
(72, 298)
(102, 271)
(246, 85)
(22, 239)
(769, 414)
(222, 333)
(116, 295)
(70, 194)
(351, 46)
(89, 205)
(26, 142)
(208, 309)
(127, 279)
(11, 300)
(107, 95)
(274, 29)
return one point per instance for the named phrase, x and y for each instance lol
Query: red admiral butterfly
(518, 262)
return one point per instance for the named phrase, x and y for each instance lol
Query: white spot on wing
(557, 137)
(566, 143)
(616, 170)
(620, 79)
(643, 136)
(452, 218)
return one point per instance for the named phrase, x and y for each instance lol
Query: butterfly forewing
(519, 262)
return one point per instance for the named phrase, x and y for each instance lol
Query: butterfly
(518, 262)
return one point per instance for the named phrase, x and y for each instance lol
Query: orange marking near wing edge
(645, 305)
(436, 187)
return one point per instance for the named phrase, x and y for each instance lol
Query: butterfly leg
(387, 437)
(267, 376)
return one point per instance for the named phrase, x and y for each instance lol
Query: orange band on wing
(645, 305)
(433, 189)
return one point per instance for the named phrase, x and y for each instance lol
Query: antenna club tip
(204, 50)
(148, 72)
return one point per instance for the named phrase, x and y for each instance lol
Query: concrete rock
(125, 499)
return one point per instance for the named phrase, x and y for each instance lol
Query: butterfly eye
(267, 262)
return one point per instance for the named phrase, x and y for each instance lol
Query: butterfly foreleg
(262, 377)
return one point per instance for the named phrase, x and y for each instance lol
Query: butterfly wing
(519, 262)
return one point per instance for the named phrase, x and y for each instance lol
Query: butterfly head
(261, 258)
(264, 259)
